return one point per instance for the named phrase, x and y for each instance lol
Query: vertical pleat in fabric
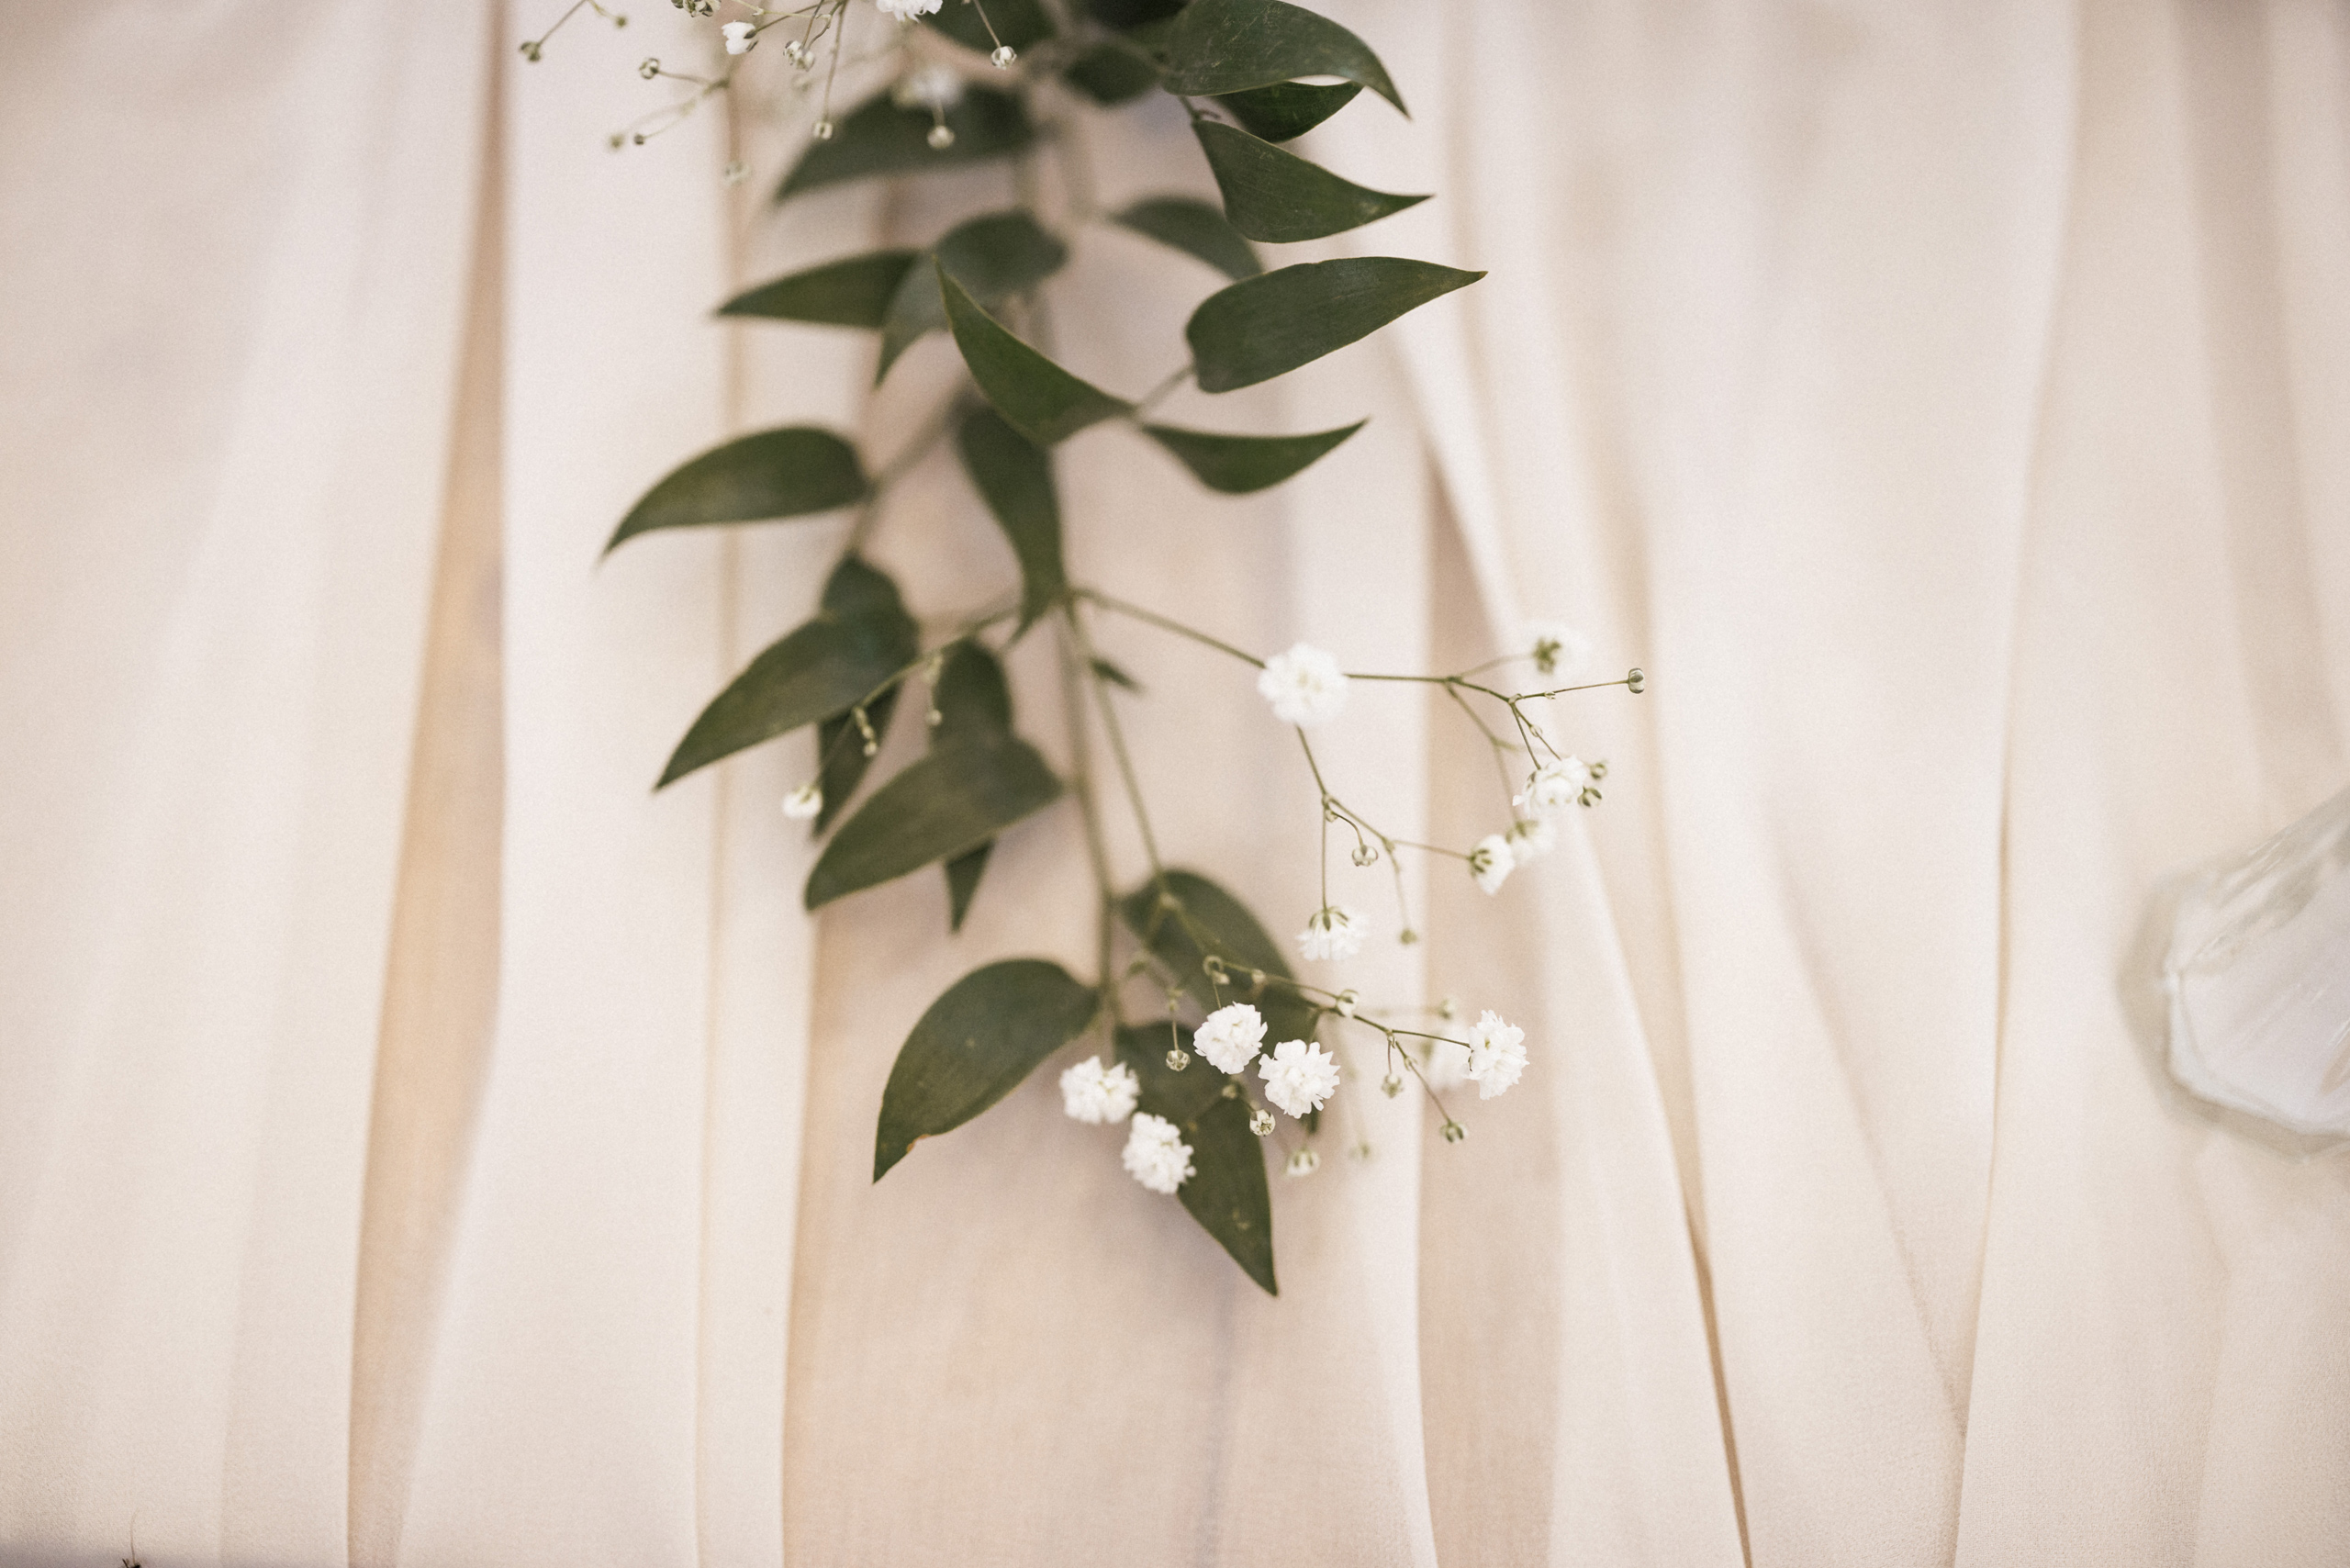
(2161, 1374)
(234, 423)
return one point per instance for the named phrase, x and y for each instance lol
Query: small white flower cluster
(1305, 686)
(1155, 1154)
(1491, 862)
(740, 37)
(1299, 1077)
(906, 10)
(1231, 1037)
(1558, 649)
(1097, 1094)
(1555, 786)
(1333, 931)
(1493, 1057)
(804, 802)
(933, 87)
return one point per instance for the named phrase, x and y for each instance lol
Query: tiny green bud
(648, 68)
(1304, 1163)
(1178, 1059)
(1454, 1132)
(1447, 1009)
(941, 137)
(1391, 1086)
(1637, 681)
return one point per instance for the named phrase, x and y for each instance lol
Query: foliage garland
(974, 82)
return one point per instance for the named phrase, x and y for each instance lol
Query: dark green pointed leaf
(1015, 476)
(1020, 23)
(1237, 465)
(1112, 73)
(1229, 46)
(1044, 402)
(1116, 676)
(769, 473)
(854, 292)
(1269, 326)
(1201, 919)
(1287, 109)
(1195, 228)
(1226, 1191)
(947, 804)
(880, 138)
(974, 702)
(859, 640)
(994, 256)
(985, 1033)
(1279, 197)
(1125, 15)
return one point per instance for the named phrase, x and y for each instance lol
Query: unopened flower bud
(1345, 1003)
(1454, 1132)
(941, 137)
(648, 68)
(1637, 681)
(1304, 1163)
(1002, 57)
(1178, 1058)
(1391, 1086)
(824, 130)
(1261, 1122)
(1448, 1009)
(1365, 854)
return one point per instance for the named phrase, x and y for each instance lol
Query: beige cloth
(417, 1143)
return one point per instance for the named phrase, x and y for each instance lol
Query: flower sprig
(1233, 1054)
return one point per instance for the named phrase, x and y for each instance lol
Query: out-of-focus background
(420, 1143)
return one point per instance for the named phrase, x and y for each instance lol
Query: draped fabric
(420, 1143)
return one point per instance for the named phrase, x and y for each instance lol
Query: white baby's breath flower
(740, 36)
(806, 802)
(1332, 932)
(1491, 862)
(1094, 1094)
(1558, 649)
(1305, 686)
(931, 87)
(1231, 1037)
(1496, 1054)
(1299, 1077)
(1155, 1154)
(906, 10)
(1555, 786)
(1531, 838)
(1448, 1064)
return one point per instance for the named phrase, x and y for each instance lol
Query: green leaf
(1043, 402)
(880, 138)
(1226, 1191)
(1279, 197)
(1128, 15)
(1195, 228)
(1015, 476)
(947, 804)
(1110, 73)
(860, 639)
(995, 257)
(1116, 676)
(986, 1033)
(1229, 46)
(854, 292)
(974, 702)
(1269, 326)
(769, 473)
(1205, 919)
(1236, 464)
(1287, 109)
(1020, 23)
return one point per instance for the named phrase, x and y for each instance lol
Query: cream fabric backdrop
(418, 1144)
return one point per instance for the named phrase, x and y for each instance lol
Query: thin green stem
(1137, 612)
(1089, 808)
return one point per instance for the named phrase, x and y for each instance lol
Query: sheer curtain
(418, 1143)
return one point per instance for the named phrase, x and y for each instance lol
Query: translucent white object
(2256, 972)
